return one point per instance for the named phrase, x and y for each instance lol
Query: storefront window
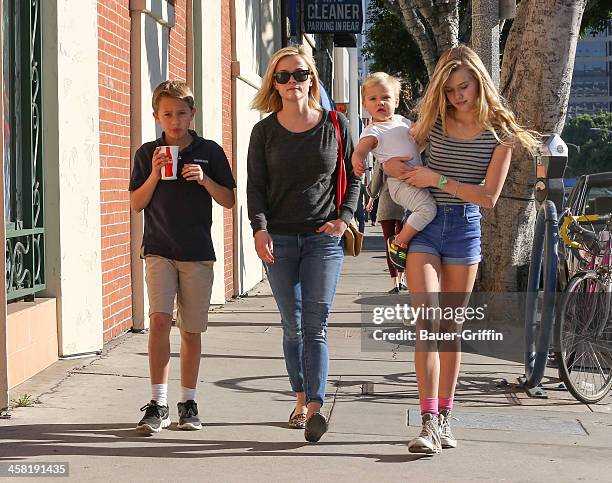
(21, 103)
(7, 88)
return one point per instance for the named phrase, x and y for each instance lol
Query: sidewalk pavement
(86, 410)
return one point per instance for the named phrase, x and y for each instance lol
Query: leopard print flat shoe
(297, 421)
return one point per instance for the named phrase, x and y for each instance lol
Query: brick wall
(226, 59)
(177, 58)
(114, 102)
(178, 70)
(114, 93)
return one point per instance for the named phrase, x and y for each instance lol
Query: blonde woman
(471, 134)
(291, 194)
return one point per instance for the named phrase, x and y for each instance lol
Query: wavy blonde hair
(493, 115)
(268, 99)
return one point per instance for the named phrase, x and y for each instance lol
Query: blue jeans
(303, 278)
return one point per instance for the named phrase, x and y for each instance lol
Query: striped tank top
(464, 160)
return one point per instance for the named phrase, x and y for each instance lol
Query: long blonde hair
(268, 99)
(493, 115)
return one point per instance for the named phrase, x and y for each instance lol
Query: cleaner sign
(333, 16)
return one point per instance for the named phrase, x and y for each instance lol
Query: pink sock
(446, 402)
(429, 405)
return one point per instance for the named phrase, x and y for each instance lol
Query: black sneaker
(397, 253)
(188, 416)
(402, 287)
(394, 290)
(155, 419)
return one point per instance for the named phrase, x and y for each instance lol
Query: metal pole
(485, 35)
(283, 16)
(299, 24)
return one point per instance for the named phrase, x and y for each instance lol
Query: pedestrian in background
(291, 195)
(372, 209)
(390, 216)
(360, 213)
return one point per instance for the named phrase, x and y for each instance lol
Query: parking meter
(551, 162)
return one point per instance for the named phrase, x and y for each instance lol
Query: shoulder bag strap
(342, 180)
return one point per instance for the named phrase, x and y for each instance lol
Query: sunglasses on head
(299, 75)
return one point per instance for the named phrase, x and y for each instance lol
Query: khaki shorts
(190, 282)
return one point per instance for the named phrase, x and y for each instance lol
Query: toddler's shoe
(397, 253)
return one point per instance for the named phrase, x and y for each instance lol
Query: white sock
(159, 393)
(187, 394)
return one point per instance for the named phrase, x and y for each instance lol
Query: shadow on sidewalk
(477, 388)
(265, 358)
(27, 441)
(397, 388)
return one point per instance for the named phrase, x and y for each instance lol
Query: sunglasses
(299, 75)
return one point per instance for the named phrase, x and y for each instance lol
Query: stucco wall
(72, 172)
(256, 39)
(208, 91)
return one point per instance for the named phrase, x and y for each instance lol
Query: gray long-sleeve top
(291, 183)
(378, 188)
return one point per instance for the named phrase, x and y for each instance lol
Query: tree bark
(465, 25)
(536, 78)
(443, 19)
(434, 27)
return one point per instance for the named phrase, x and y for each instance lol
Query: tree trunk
(443, 20)
(434, 28)
(536, 78)
(419, 33)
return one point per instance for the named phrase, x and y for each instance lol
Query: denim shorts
(453, 235)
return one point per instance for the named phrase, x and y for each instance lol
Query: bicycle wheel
(585, 359)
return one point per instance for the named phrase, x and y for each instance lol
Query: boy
(386, 137)
(177, 245)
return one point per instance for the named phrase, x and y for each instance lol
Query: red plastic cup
(169, 170)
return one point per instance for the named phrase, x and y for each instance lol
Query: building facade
(591, 90)
(77, 78)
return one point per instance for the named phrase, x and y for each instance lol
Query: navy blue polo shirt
(178, 218)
